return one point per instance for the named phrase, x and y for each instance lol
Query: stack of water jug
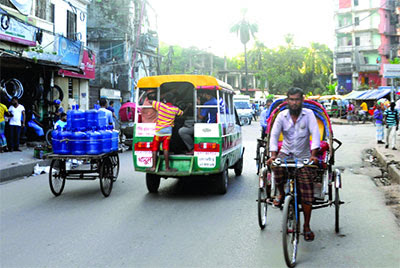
(87, 133)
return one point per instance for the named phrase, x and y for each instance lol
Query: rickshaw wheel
(222, 181)
(239, 167)
(115, 165)
(57, 176)
(290, 232)
(262, 207)
(152, 182)
(337, 206)
(106, 177)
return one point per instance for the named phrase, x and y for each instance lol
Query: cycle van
(217, 146)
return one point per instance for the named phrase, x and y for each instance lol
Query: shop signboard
(14, 31)
(391, 70)
(87, 66)
(69, 50)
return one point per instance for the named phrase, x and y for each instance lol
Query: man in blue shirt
(109, 117)
(59, 110)
(209, 115)
(263, 118)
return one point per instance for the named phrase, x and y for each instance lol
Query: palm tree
(318, 60)
(245, 29)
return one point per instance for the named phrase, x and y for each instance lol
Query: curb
(22, 170)
(389, 164)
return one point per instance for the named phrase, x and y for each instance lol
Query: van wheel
(239, 166)
(222, 181)
(152, 182)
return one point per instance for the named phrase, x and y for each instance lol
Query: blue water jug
(105, 140)
(92, 119)
(94, 143)
(78, 142)
(69, 117)
(65, 142)
(55, 140)
(114, 141)
(102, 118)
(78, 119)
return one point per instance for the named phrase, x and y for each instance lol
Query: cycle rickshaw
(326, 184)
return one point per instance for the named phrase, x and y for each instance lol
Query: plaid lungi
(305, 178)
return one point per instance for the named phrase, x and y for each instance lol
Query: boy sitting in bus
(165, 121)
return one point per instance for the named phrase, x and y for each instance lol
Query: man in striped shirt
(392, 125)
(165, 121)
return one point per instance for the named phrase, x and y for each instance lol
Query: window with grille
(71, 25)
(40, 9)
(52, 11)
(356, 21)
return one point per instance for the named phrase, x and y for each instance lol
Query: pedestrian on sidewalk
(378, 116)
(392, 125)
(17, 121)
(3, 141)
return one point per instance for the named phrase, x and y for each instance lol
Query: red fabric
(160, 139)
(127, 112)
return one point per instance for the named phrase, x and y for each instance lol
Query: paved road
(187, 225)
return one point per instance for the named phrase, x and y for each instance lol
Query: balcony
(344, 49)
(366, 48)
(370, 68)
(344, 69)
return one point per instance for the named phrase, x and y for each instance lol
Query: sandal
(309, 236)
(278, 201)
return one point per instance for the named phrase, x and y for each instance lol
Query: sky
(206, 24)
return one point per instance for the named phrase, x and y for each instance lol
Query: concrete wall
(60, 14)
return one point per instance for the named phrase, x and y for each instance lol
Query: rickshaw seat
(323, 149)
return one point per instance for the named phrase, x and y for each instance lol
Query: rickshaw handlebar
(296, 163)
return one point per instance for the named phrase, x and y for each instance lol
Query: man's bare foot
(152, 169)
(171, 170)
(308, 234)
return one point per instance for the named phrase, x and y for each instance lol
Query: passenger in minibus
(208, 115)
(165, 122)
(149, 115)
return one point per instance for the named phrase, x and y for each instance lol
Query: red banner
(344, 3)
(88, 66)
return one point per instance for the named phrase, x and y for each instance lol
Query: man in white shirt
(16, 122)
(109, 116)
(297, 124)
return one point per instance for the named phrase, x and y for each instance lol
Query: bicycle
(291, 209)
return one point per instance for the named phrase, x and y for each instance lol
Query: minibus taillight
(207, 147)
(143, 146)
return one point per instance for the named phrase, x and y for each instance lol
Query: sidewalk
(390, 159)
(19, 164)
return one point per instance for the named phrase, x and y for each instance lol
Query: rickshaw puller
(165, 121)
(296, 123)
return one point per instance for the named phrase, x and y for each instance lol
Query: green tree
(245, 30)
(317, 65)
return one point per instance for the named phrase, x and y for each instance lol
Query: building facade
(126, 42)
(43, 46)
(366, 38)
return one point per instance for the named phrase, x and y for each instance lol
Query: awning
(355, 95)
(374, 94)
